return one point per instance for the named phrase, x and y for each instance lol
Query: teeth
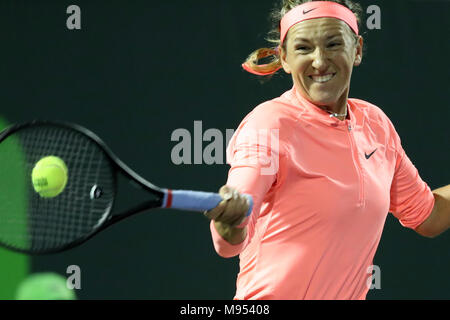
(322, 79)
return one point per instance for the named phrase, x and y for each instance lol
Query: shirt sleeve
(411, 198)
(253, 154)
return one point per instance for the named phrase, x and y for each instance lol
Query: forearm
(439, 219)
(442, 204)
(222, 246)
(232, 235)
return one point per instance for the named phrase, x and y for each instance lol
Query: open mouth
(322, 79)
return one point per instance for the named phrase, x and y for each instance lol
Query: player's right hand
(232, 209)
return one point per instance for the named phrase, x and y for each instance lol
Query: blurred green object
(14, 267)
(45, 286)
(15, 184)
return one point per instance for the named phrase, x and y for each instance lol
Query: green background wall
(138, 70)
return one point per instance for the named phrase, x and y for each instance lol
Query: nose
(319, 60)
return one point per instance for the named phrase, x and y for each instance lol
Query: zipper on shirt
(357, 163)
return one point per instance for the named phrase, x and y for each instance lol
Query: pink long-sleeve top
(322, 189)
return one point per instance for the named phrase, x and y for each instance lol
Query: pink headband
(314, 10)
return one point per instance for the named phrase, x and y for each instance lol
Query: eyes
(331, 45)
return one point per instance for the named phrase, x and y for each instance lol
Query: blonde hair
(269, 69)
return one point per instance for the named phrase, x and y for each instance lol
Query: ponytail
(251, 64)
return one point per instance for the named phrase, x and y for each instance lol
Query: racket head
(33, 224)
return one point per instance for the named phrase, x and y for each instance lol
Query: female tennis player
(340, 168)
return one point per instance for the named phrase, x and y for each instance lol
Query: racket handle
(195, 200)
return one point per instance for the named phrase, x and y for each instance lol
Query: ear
(283, 55)
(359, 51)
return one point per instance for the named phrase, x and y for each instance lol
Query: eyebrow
(327, 38)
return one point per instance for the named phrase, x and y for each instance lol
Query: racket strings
(46, 224)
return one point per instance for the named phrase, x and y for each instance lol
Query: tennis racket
(33, 224)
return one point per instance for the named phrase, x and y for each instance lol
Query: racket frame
(119, 167)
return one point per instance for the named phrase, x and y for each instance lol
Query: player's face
(320, 55)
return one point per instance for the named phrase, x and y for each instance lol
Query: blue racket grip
(196, 200)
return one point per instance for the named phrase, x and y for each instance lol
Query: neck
(339, 108)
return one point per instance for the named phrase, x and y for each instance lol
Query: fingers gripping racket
(33, 223)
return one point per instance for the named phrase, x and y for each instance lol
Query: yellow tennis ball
(49, 176)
